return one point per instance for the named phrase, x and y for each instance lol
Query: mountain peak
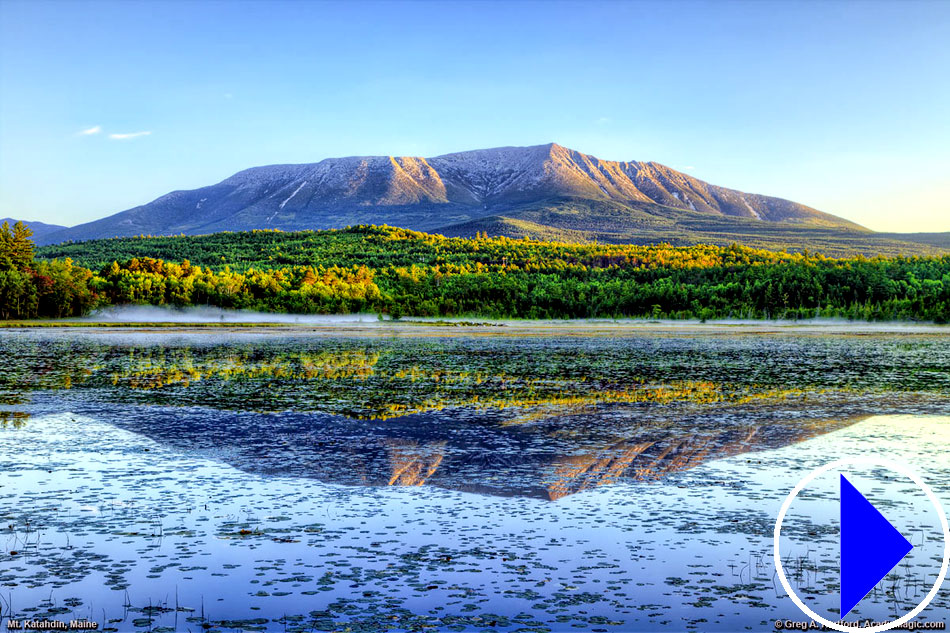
(438, 193)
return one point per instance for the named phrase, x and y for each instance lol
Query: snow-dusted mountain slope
(429, 194)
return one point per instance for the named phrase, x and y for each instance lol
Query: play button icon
(870, 546)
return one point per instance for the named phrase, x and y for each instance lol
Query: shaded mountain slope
(937, 240)
(579, 220)
(40, 229)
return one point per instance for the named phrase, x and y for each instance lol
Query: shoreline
(502, 327)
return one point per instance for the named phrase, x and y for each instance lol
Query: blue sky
(844, 106)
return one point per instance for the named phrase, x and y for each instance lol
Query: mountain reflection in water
(472, 451)
(538, 416)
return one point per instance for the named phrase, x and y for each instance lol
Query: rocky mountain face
(453, 194)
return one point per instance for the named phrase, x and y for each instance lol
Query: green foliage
(16, 248)
(30, 289)
(402, 272)
(297, 289)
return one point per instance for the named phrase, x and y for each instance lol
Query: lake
(505, 477)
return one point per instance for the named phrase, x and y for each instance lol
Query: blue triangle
(870, 546)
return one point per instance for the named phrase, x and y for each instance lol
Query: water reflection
(140, 472)
(13, 419)
(531, 377)
(474, 451)
(539, 417)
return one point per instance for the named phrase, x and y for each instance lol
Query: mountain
(40, 229)
(515, 190)
(938, 240)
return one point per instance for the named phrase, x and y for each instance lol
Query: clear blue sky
(844, 106)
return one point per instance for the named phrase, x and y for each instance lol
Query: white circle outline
(892, 465)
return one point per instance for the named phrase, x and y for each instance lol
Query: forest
(30, 288)
(397, 272)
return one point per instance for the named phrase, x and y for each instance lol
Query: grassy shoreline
(506, 326)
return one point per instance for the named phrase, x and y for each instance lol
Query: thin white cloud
(90, 131)
(688, 168)
(128, 135)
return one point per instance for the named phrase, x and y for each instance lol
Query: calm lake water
(263, 479)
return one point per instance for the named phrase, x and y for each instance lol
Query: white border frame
(874, 461)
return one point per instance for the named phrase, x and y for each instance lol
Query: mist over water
(208, 314)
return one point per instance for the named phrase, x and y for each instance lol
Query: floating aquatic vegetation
(191, 482)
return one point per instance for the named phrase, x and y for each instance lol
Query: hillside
(540, 191)
(935, 240)
(577, 220)
(400, 272)
(40, 229)
(377, 247)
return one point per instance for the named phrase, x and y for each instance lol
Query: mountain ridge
(442, 193)
(40, 229)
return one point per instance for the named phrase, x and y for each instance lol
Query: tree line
(401, 273)
(31, 288)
